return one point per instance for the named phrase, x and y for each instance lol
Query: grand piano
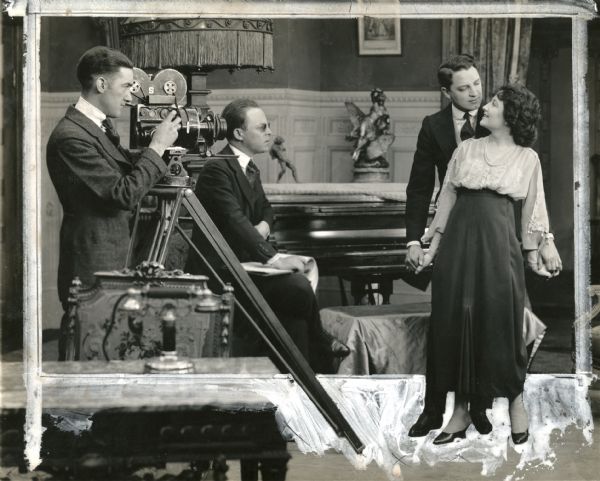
(355, 231)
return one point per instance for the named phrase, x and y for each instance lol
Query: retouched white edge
(331, 8)
(34, 9)
(32, 331)
(581, 200)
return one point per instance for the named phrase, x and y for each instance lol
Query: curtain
(500, 47)
(110, 27)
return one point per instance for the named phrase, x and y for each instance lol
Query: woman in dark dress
(475, 343)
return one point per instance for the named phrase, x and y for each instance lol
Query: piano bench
(384, 339)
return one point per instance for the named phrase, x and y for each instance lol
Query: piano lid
(339, 193)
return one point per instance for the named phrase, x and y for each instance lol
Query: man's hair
(522, 112)
(464, 61)
(98, 61)
(234, 114)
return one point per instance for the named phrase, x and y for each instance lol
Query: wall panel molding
(304, 118)
(313, 124)
(332, 123)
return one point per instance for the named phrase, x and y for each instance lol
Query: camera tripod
(173, 192)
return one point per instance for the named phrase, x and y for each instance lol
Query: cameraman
(99, 182)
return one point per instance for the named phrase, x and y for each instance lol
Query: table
(114, 430)
(383, 339)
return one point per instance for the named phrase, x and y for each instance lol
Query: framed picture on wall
(379, 36)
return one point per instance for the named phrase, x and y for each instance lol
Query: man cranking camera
(99, 182)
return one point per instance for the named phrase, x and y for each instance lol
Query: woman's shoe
(481, 421)
(520, 438)
(428, 420)
(518, 420)
(445, 438)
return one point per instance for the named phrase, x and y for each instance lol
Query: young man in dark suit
(99, 182)
(439, 136)
(231, 191)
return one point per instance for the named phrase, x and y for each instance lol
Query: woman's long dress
(475, 343)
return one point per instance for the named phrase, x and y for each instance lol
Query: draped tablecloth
(385, 339)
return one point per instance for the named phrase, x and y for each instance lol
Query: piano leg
(386, 289)
(358, 290)
(343, 291)
(363, 286)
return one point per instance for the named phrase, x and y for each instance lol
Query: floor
(575, 460)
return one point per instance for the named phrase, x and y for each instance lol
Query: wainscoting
(314, 126)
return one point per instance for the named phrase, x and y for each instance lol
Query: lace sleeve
(534, 215)
(446, 199)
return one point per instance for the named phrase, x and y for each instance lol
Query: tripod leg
(136, 223)
(267, 324)
(169, 209)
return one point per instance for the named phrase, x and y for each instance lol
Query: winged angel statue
(371, 132)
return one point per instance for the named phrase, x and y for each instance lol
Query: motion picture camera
(152, 100)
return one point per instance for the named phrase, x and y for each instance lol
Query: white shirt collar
(243, 158)
(458, 114)
(90, 111)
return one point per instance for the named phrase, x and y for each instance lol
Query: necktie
(251, 173)
(111, 132)
(467, 129)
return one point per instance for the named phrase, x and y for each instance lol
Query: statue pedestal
(371, 174)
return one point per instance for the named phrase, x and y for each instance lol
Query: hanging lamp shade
(198, 43)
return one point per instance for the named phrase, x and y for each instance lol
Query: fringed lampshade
(198, 43)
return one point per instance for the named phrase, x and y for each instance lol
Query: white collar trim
(242, 157)
(90, 111)
(458, 114)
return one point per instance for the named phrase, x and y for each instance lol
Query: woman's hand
(536, 264)
(431, 253)
(550, 257)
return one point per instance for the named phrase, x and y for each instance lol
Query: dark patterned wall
(309, 54)
(11, 252)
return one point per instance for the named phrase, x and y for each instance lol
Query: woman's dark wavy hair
(522, 112)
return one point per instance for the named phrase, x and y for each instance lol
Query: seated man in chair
(231, 191)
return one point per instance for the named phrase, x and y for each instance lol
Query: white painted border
(581, 200)
(32, 322)
(314, 8)
(579, 10)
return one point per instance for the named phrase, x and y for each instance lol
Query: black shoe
(520, 438)
(427, 421)
(336, 347)
(445, 438)
(481, 421)
(339, 349)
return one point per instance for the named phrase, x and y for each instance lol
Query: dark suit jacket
(98, 185)
(235, 207)
(435, 145)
